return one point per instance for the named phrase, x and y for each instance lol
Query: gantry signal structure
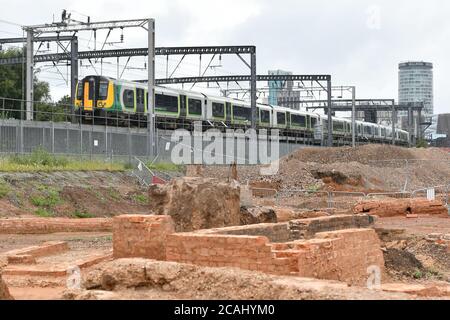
(38, 33)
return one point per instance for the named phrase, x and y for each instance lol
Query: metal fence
(395, 195)
(316, 200)
(60, 131)
(438, 192)
(345, 200)
(305, 199)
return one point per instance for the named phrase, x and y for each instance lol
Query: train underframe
(297, 136)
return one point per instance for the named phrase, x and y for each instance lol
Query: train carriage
(99, 98)
(280, 117)
(265, 116)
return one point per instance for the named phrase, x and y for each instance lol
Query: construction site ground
(410, 258)
(414, 249)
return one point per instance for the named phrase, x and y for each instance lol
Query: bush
(422, 143)
(43, 213)
(4, 189)
(50, 199)
(82, 215)
(141, 199)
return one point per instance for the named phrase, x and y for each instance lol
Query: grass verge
(42, 161)
(165, 167)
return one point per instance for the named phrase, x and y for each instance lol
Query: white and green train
(106, 98)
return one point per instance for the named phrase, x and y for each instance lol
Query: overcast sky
(357, 42)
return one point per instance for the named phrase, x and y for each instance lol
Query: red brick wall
(341, 255)
(45, 225)
(246, 252)
(141, 236)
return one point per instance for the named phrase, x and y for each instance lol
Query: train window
(164, 103)
(242, 113)
(218, 110)
(80, 90)
(338, 126)
(281, 118)
(128, 98)
(298, 120)
(313, 122)
(103, 90)
(195, 107)
(265, 116)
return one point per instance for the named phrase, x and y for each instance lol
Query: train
(106, 99)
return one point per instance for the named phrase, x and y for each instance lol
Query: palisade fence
(59, 131)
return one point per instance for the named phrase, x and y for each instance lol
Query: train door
(288, 120)
(89, 94)
(140, 103)
(183, 102)
(228, 111)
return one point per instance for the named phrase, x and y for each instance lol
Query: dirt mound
(197, 203)
(101, 201)
(70, 194)
(4, 292)
(366, 154)
(369, 168)
(156, 279)
(256, 215)
(402, 262)
(435, 257)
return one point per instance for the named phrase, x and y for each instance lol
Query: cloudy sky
(357, 42)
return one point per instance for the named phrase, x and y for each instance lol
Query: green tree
(49, 111)
(12, 85)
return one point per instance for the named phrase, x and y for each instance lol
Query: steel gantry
(36, 32)
(183, 51)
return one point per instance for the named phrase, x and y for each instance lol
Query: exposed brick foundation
(54, 270)
(246, 252)
(141, 236)
(296, 229)
(341, 255)
(275, 232)
(28, 255)
(401, 207)
(45, 226)
(307, 228)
